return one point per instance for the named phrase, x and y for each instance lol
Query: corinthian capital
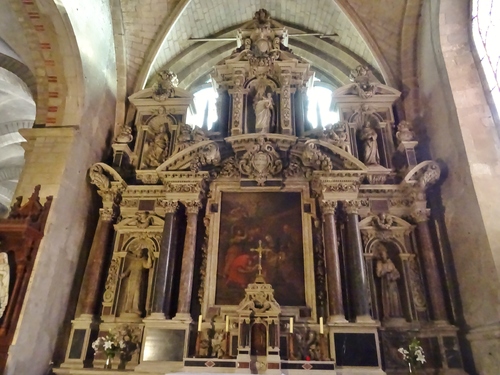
(352, 206)
(169, 205)
(192, 206)
(107, 214)
(420, 215)
(328, 207)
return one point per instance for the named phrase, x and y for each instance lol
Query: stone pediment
(194, 157)
(378, 92)
(141, 220)
(145, 97)
(263, 156)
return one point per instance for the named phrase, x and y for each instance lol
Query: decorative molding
(261, 161)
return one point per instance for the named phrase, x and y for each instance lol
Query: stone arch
(59, 71)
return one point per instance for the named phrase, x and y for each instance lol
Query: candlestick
(199, 323)
(291, 325)
(227, 323)
(321, 325)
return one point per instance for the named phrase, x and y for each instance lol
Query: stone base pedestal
(164, 342)
(355, 348)
(439, 342)
(84, 331)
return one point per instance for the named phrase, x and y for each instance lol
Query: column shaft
(187, 268)
(162, 297)
(435, 286)
(335, 303)
(95, 264)
(356, 267)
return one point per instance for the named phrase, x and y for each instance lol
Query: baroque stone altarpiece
(263, 222)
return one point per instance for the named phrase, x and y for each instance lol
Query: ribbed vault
(331, 58)
(17, 110)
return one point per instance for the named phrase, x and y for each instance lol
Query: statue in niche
(4, 282)
(139, 258)
(370, 145)
(389, 275)
(157, 151)
(263, 107)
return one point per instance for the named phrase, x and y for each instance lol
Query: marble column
(187, 267)
(94, 271)
(332, 260)
(430, 266)
(358, 285)
(164, 281)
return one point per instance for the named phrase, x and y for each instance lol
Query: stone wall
(58, 158)
(456, 119)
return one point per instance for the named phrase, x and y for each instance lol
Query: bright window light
(320, 100)
(203, 98)
(486, 33)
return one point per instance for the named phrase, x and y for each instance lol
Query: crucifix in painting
(260, 250)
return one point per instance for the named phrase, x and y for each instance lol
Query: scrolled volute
(107, 180)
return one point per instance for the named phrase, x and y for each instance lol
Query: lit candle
(227, 323)
(199, 323)
(321, 325)
(291, 325)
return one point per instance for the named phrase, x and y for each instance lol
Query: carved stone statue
(165, 85)
(363, 81)
(405, 133)
(370, 145)
(4, 282)
(263, 108)
(382, 221)
(389, 275)
(139, 258)
(336, 134)
(157, 151)
(125, 135)
(143, 220)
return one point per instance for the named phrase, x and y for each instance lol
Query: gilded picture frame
(281, 219)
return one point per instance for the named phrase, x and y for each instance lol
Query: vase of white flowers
(124, 340)
(129, 340)
(108, 345)
(413, 355)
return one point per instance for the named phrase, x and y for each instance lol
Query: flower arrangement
(108, 345)
(123, 340)
(129, 340)
(413, 355)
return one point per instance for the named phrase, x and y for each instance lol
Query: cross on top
(260, 250)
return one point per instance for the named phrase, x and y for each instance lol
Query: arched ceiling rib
(203, 19)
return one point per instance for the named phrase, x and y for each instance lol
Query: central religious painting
(267, 223)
